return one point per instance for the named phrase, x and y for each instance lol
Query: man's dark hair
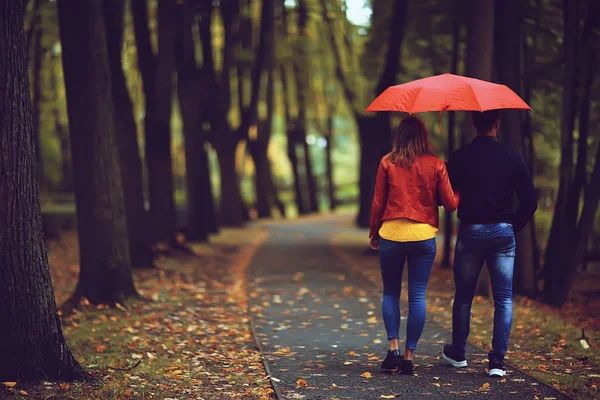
(485, 121)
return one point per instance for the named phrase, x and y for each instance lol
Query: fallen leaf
(128, 393)
(9, 384)
(372, 320)
(352, 353)
(151, 356)
(503, 380)
(367, 375)
(23, 393)
(436, 384)
(65, 386)
(100, 349)
(374, 358)
(301, 383)
(485, 386)
(387, 396)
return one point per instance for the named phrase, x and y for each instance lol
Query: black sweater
(487, 173)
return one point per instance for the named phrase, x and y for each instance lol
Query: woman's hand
(374, 243)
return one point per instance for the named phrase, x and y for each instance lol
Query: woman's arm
(448, 197)
(379, 200)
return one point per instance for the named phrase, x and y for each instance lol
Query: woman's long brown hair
(411, 141)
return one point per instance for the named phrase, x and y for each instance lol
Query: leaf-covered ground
(544, 342)
(190, 338)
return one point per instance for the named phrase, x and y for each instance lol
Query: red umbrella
(447, 92)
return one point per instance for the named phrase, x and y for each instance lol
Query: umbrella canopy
(447, 92)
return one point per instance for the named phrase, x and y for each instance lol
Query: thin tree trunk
(38, 56)
(140, 249)
(66, 183)
(562, 229)
(480, 39)
(448, 218)
(329, 161)
(201, 215)
(105, 272)
(32, 344)
(509, 14)
(379, 134)
(232, 213)
(158, 139)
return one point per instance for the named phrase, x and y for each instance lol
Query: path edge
(247, 272)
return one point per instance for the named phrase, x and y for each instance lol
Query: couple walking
(480, 180)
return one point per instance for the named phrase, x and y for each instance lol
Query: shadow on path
(322, 336)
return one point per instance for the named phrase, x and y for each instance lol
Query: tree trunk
(562, 229)
(38, 56)
(379, 134)
(32, 344)
(140, 249)
(201, 215)
(158, 140)
(66, 183)
(368, 159)
(105, 273)
(329, 162)
(507, 45)
(480, 47)
(231, 210)
(561, 269)
(448, 218)
(258, 150)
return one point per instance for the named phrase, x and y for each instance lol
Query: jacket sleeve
(525, 191)
(379, 200)
(447, 196)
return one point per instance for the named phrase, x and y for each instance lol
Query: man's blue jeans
(495, 245)
(420, 256)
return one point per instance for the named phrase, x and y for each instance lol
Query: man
(487, 174)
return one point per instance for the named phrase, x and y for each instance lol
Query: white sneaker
(497, 372)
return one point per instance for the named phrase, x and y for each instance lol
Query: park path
(317, 321)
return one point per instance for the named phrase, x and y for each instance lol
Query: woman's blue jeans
(420, 256)
(495, 245)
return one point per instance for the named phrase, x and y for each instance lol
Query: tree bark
(329, 161)
(105, 273)
(369, 157)
(38, 56)
(32, 344)
(480, 49)
(448, 218)
(201, 216)
(157, 73)
(563, 227)
(140, 249)
(508, 62)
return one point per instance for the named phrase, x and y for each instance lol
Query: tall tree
(225, 138)
(140, 250)
(157, 75)
(31, 340)
(201, 216)
(509, 17)
(105, 273)
(570, 232)
(258, 139)
(448, 219)
(38, 58)
(292, 139)
(480, 51)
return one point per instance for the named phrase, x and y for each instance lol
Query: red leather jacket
(414, 193)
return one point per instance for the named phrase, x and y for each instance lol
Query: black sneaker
(497, 369)
(393, 360)
(450, 354)
(407, 367)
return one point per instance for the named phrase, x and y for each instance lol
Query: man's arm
(525, 191)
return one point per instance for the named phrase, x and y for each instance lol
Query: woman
(411, 184)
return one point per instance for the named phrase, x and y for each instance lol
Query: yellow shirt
(406, 230)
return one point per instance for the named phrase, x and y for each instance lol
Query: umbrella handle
(440, 120)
